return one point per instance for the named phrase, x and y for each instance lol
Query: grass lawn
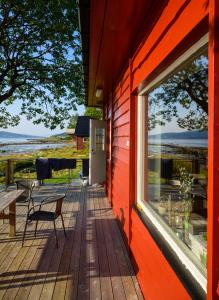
(23, 165)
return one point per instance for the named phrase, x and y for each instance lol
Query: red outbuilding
(153, 66)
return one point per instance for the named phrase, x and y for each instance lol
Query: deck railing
(15, 169)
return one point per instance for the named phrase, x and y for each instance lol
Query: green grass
(154, 177)
(23, 165)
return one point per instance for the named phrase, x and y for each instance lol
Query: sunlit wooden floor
(90, 263)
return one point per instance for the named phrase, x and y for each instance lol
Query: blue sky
(27, 127)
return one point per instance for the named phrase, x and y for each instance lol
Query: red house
(154, 68)
(80, 134)
(77, 140)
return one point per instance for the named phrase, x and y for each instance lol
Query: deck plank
(60, 286)
(106, 220)
(94, 274)
(92, 262)
(18, 275)
(83, 276)
(104, 272)
(72, 282)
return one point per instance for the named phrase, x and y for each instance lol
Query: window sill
(194, 287)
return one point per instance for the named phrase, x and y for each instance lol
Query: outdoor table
(8, 199)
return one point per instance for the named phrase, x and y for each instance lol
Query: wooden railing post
(9, 172)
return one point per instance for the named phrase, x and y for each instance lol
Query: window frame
(177, 246)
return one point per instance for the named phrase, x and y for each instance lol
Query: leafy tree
(73, 121)
(94, 112)
(40, 60)
(186, 90)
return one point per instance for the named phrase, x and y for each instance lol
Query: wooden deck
(90, 263)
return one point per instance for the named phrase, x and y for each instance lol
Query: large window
(172, 168)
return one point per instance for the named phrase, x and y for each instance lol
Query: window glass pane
(177, 155)
(100, 139)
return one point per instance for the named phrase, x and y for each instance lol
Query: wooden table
(8, 199)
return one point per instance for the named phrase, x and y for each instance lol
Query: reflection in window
(177, 155)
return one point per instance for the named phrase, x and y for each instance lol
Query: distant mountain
(12, 135)
(59, 134)
(181, 135)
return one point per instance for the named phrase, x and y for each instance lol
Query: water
(27, 148)
(165, 144)
(197, 143)
(17, 146)
(14, 140)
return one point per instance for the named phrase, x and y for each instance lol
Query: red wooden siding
(167, 40)
(178, 20)
(120, 152)
(80, 143)
(153, 269)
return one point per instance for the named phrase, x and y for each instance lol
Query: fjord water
(14, 145)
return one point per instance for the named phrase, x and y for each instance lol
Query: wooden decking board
(11, 263)
(106, 220)
(16, 269)
(22, 270)
(5, 248)
(128, 262)
(72, 282)
(94, 274)
(51, 278)
(130, 283)
(51, 266)
(105, 279)
(60, 286)
(83, 276)
(92, 262)
(37, 275)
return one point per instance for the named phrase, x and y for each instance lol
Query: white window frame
(141, 158)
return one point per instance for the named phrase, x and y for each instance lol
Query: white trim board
(141, 145)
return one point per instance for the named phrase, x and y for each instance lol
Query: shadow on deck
(90, 263)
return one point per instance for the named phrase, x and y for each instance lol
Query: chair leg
(28, 208)
(54, 223)
(33, 204)
(36, 228)
(24, 232)
(63, 224)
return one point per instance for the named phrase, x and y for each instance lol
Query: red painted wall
(120, 115)
(175, 30)
(80, 144)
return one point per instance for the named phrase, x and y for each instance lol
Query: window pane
(177, 155)
(100, 139)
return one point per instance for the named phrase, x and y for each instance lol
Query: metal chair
(45, 215)
(27, 186)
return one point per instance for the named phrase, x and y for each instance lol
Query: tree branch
(189, 89)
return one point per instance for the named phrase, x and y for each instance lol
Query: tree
(94, 112)
(73, 121)
(40, 60)
(186, 89)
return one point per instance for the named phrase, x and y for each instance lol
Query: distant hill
(181, 135)
(63, 134)
(12, 135)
